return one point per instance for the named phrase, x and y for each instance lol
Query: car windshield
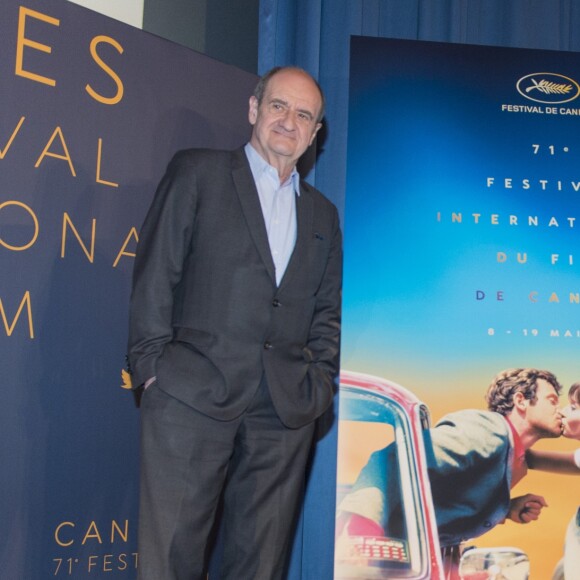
(380, 531)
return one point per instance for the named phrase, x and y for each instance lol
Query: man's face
(285, 123)
(544, 415)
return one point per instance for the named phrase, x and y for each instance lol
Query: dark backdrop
(77, 174)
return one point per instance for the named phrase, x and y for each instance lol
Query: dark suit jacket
(207, 318)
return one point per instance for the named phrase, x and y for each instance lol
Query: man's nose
(288, 120)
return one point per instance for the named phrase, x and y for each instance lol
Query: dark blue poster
(92, 111)
(461, 261)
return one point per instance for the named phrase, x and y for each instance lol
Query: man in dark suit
(234, 336)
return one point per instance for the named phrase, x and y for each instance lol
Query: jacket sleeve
(164, 243)
(464, 441)
(324, 335)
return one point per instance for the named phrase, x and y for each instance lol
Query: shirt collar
(259, 166)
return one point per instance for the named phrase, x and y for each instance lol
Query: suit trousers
(189, 461)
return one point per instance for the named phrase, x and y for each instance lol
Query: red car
(410, 547)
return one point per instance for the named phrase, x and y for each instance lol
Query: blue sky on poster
(429, 140)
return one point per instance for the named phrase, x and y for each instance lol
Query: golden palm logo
(126, 378)
(549, 88)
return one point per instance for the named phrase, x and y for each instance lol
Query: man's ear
(253, 110)
(520, 402)
(316, 129)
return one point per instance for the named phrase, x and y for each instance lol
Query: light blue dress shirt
(278, 203)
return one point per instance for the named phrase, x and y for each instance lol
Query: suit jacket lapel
(304, 220)
(248, 195)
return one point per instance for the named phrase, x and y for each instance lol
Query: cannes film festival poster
(461, 253)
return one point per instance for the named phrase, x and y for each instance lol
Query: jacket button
(276, 303)
(267, 345)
